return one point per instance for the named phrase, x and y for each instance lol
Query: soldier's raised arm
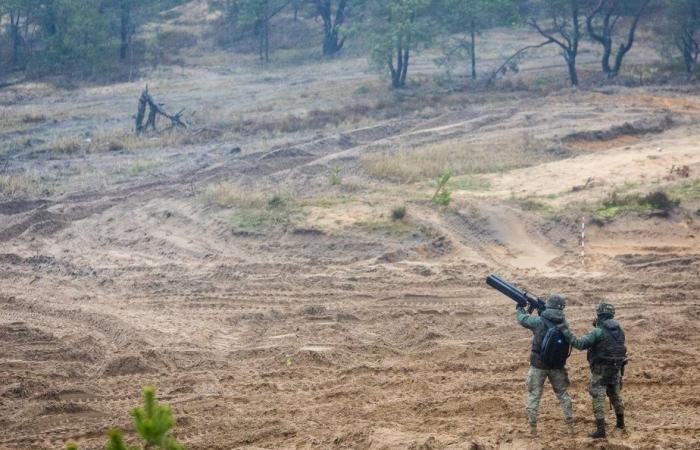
(525, 319)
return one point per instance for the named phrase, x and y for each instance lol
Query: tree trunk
(396, 73)
(261, 43)
(607, 51)
(689, 57)
(621, 52)
(573, 74)
(626, 47)
(124, 32)
(14, 37)
(472, 52)
(264, 41)
(567, 41)
(267, 41)
(404, 69)
(332, 43)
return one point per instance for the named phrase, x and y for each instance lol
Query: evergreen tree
(397, 28)
(153, 422)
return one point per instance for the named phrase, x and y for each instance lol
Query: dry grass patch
(34, 117)
(117, 140)
(419, 163)
(66, 145)
(19, 117)
(229, 195)
(253, 212)
(12, 186)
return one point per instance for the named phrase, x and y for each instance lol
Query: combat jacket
(595, 342)
(539, 329)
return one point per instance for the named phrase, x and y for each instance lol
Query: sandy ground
(335, 334)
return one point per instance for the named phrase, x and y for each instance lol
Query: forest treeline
(100, 38)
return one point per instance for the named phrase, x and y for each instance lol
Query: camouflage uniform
(606, 375)
(539, 372)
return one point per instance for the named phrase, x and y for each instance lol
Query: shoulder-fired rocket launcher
(522, 298)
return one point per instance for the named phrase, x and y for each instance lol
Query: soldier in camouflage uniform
(539, 372)
(606, 357)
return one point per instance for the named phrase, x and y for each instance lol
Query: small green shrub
(335, 178)
(278, 211)
(398, 213)
(615, 204)
(153, 422)
(276, 202)
(442, 195)
(659, 200)
(530, 204)
(443, 198)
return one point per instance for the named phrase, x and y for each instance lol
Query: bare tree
(601, 24)
(564, 30)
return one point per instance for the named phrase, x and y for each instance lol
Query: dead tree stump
(146, 101)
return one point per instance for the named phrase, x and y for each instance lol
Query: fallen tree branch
(146, 101)
(516, 55)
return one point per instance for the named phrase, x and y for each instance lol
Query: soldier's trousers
(559, 379)
(603, 384)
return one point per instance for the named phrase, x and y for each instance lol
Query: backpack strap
(548, 323)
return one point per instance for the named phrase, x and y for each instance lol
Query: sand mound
(126, 365)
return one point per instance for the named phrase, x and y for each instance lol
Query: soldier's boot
(620, 421)
(599, 432)
(533, 429)
(570, 426)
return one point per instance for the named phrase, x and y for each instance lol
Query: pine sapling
(154, 421)
(116, 441)
(442, 195)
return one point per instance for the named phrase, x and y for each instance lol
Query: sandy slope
(346, 337)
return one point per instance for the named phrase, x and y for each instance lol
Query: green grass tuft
(398, 213)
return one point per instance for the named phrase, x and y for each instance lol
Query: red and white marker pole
(583, 241)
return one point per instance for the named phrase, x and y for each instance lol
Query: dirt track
(332, 337)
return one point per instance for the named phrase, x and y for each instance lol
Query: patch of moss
(686, 191)
(532, 204)
(471, 183)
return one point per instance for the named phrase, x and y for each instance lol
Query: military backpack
(555, 349)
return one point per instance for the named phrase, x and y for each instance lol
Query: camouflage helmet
(556, 301)
(605, 309)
